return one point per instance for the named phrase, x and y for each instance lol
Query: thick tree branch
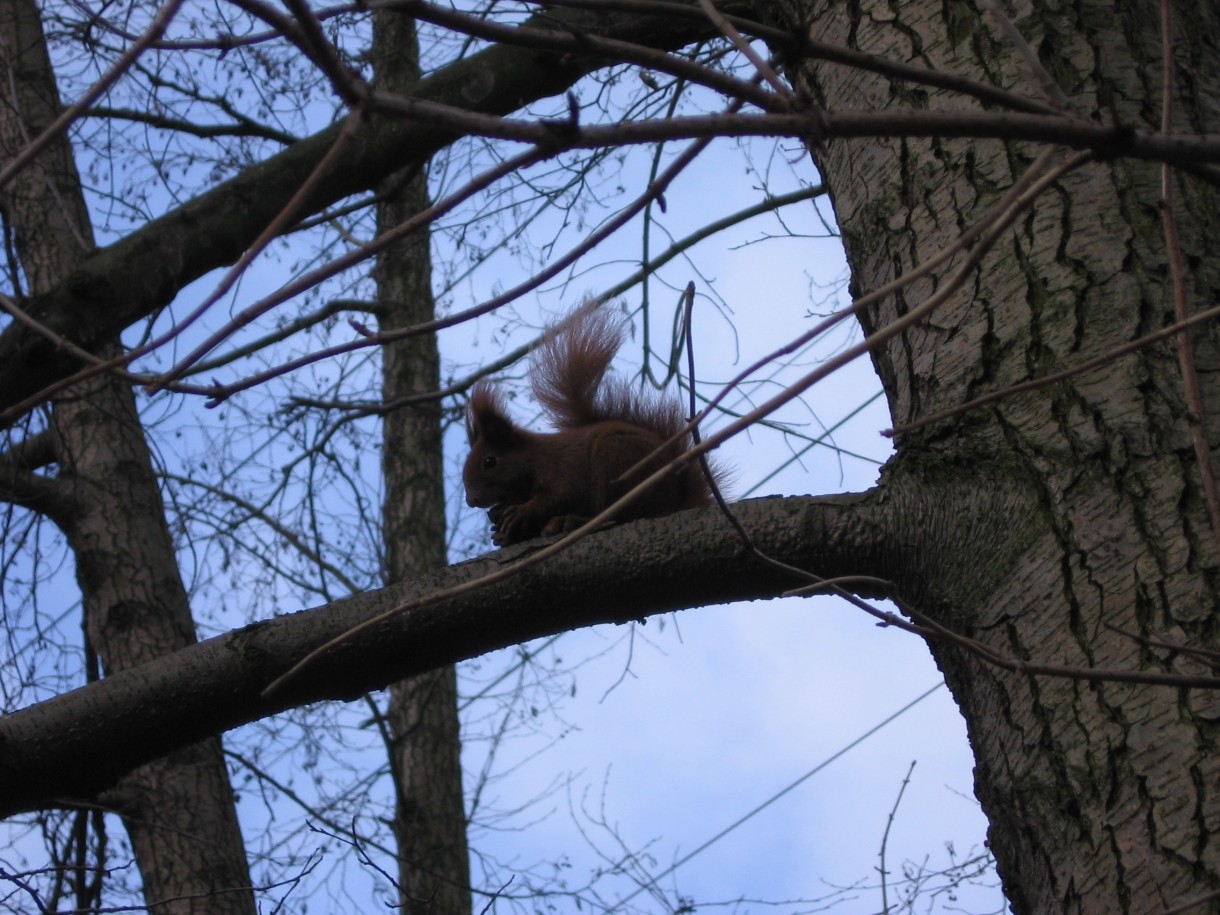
(37, 493)
(622, 574)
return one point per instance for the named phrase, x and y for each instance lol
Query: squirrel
(549, 483)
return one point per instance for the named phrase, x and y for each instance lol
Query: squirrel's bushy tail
(569, 377)
(570, 365)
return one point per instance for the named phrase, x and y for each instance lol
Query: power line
(783, 791)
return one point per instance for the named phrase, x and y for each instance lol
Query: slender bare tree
(430, 817)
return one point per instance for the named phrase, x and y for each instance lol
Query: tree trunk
(179, 811)
(1101, 796)
(430, 819)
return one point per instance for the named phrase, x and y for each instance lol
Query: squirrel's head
(499, 470)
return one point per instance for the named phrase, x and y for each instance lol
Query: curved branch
(40, 494)
(20, 485)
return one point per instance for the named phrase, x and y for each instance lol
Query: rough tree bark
(430, 815)
(179, 810)
(1100, 796)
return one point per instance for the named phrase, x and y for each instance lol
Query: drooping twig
(1195, 417)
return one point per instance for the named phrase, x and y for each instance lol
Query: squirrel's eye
(489, 462)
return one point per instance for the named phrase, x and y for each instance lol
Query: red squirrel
(548, 483)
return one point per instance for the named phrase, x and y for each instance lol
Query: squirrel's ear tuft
(487, 418)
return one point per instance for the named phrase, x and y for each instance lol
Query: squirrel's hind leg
(562, 524)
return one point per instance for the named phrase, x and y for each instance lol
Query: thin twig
(688, 331)
(764, 69)
(339, 264)
(885, 838)
(1191, 904)
(983, 236)
(462, 384)
(22, 316)
(1206, 656)
(313, 42)
(290, 536)
(1046, 82)
(652, 192)
(1195, 416)
(272, 231)
(96, 366)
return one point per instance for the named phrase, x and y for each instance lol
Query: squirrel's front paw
(510, 524)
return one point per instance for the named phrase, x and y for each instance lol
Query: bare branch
(244, 127)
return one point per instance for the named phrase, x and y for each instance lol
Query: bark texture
(430, 815)
(1101, 797)
(178, 810)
